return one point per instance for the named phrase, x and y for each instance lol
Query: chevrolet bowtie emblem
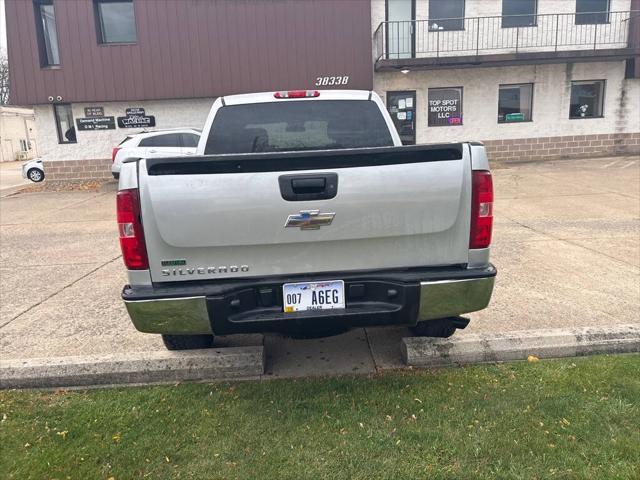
(309, 219)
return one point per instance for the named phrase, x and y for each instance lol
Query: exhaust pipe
(460, 322)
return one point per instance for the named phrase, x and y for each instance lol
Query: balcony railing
(502, 34)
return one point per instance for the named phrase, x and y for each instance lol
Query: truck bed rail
(305, 160)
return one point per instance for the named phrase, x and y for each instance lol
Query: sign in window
(587, 99)
(402, 108)
(445, 106)
(515, 103)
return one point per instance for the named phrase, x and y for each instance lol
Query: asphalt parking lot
(566, 245)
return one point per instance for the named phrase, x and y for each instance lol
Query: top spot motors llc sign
(136, 118)
(445, 107)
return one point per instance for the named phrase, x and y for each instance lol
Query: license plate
(313, 296)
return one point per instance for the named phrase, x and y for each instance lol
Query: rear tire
(35, 175)
(187, 342)
(439, 328)
(116, 175)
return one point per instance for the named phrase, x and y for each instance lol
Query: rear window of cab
(297, 125)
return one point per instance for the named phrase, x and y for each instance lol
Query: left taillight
(134, 252)
(114, 152)
(481, 209)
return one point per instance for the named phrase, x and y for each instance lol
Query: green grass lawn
(575, 418)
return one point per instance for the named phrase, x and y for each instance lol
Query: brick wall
(572, 146)
(96, 169)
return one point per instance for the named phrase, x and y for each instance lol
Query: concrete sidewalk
(566, 245)
(11, 177)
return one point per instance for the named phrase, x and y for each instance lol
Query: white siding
(552, 85)
(485, 8)
(98, 144)
(488, 36)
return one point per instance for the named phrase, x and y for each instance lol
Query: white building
(530, 78)
(533, 79)
(17, 134)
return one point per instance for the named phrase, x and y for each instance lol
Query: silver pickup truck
(303, 211)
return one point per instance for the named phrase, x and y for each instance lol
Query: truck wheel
(35, 175)
(441, 327)
(116, 175)
(187, 342)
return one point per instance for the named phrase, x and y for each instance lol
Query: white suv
(156, 143)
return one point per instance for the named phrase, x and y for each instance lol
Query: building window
(23, 145)
(446, 15)
(589, 12)
(515, 103)
(47, 33)
(587, 99)
(64, 123)
(445, 107)
(116, 21)
(519, 13)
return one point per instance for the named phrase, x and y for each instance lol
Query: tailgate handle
(308, 185)
(304, 187)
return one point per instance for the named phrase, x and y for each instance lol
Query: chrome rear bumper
(175, 316)
(190, 315)
(448, 298)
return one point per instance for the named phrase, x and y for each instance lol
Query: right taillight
(134, 252)
(481, 209)
(114, 152)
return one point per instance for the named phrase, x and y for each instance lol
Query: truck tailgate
(224, 216)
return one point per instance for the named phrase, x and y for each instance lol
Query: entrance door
(402, 108)
(400, 28)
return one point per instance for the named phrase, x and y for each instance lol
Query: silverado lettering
(203, 270)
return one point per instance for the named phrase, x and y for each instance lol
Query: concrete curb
(135, 367)
(518, 345)
(8, 191)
